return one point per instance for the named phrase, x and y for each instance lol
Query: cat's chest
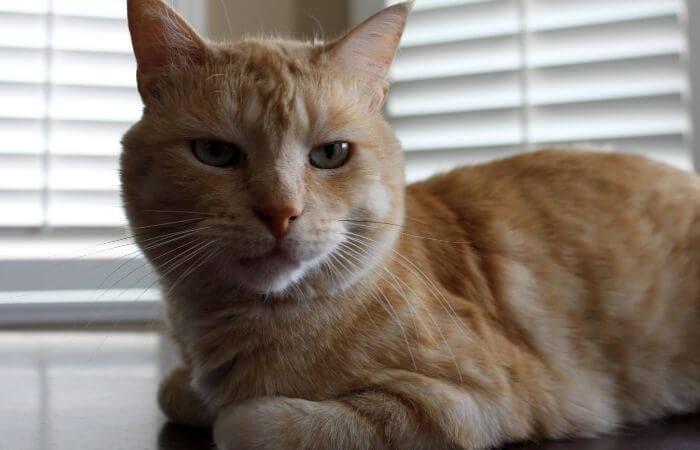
(274, 372)
(231, 365)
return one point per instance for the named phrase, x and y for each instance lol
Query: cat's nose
(277, 219)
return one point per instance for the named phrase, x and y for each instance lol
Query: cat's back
(567, 179)
(569, 195)
(594, 213)
(601, 251)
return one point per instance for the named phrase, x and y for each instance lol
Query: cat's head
(264, 164)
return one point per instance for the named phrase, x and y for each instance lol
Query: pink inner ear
(367, 51)
(160, 37)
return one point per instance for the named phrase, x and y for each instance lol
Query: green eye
(216, 153)
(330, 156)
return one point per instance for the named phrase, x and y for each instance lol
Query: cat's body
(569, 298)
(545, 295)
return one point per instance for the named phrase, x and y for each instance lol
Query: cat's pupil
(216, 150)
(330, 150)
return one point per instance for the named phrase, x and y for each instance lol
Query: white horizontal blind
(67, 94)
(479, 79)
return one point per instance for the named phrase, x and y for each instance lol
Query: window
(479, 79)
(67, 94)
(474, 80)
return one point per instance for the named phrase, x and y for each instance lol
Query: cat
(320, 303)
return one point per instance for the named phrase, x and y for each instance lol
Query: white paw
(261, 423)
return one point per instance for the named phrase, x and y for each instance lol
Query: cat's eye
(216, 153)
(330, 156)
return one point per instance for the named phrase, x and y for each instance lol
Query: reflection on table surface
(96, 390)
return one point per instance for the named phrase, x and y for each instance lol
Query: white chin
(268, 276)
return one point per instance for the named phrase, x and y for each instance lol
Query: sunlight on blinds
(475, 80)
(67, 84)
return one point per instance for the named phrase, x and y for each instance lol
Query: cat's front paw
(261, 423)
(179, 402)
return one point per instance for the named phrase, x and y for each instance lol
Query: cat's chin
(272, 272)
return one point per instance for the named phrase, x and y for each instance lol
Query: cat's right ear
(161, 39)
(367, 51)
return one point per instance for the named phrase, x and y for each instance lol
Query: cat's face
(271, 161)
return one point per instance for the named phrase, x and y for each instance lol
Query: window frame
(692, 62)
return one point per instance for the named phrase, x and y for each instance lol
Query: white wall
(231, 19)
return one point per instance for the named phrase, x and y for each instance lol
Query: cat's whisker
(197, 264)
(146, 263)
(358, 249)
(174, 263)
(150, 235)
(166, 211)
(386, 306)
(429, 283)
(167, 223)
(144, 240)
(158, 239)
(226, 15)
(423, 277)
(377, 225)
(440, 295)
(334, 258)
(359, 253)
(393, 313)
(299, 293)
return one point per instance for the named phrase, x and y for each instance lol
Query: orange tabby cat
(318, 303)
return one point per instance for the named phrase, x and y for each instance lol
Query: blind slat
(616, 79)
(25, 101)
(613, 118)
(24, 6)
(84, 173)
(599, 71)
(490, 128)
(23, 31)
(86, 138)
(499, 90)
(21, 172)
(21, 136)
(462, 58)
(557, 14)
(24, 208)
(92, 34)
(605, 42)
(462, 22)
(68, 209)
(68, 94)
(22, 65)
(88, 103)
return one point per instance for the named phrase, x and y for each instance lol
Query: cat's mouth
(275, 257)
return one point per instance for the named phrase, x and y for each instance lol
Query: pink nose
(277, 219)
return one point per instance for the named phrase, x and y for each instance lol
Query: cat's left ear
(367, 51)
(161, 39)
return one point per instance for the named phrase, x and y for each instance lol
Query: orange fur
(546, 295)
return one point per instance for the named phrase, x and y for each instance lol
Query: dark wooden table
(93, 390)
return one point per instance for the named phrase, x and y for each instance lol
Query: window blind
(480, 79)
(67, 94)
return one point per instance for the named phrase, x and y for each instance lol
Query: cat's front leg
(179, 401)
(399, 410)
(292, 423)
